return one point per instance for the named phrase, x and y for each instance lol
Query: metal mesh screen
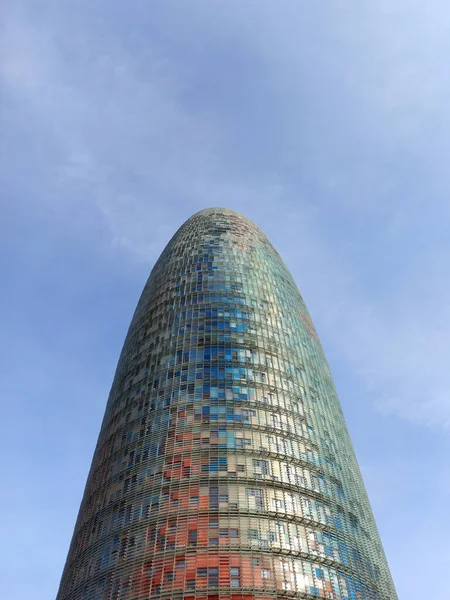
(224, 469)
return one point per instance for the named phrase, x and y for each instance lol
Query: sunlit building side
(223, 468)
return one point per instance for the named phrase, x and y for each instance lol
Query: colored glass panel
(224, 469)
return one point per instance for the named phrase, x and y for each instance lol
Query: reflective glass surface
(224, 469)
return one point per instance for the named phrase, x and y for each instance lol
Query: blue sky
(328, 124)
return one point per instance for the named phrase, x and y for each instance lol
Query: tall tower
(224, 469)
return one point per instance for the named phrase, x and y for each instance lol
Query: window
(320, 573)
(213, 577)
(262, 466)
(234, 532)
(213, 501)
(240, 468)
(223, 532)
(214, 523)
(192, 537)
(265, 573)
(255, 562)
(253, 534)
(202, 572)
(258, 495)
(169, 576)
(190, 583)
(181, 564)
(235, 580)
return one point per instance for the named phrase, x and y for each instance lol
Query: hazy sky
(327, 123)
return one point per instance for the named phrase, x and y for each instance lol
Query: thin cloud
(326, 123)
(127, 151)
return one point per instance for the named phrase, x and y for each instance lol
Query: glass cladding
(224, 469)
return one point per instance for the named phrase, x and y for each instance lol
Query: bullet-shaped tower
(224, 469)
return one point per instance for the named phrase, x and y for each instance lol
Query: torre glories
(223, 469)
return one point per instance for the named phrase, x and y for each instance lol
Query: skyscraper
(223, 469)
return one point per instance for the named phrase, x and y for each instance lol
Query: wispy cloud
(126, 145)
(327, 123)
(120, 145)
(398, 345)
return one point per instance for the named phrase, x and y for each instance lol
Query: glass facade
(224, 469)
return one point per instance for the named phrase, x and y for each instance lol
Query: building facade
(223, 468)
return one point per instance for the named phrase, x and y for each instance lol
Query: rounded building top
(221, 212)
(225, 219)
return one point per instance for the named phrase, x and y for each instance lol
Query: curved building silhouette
(223, 468)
